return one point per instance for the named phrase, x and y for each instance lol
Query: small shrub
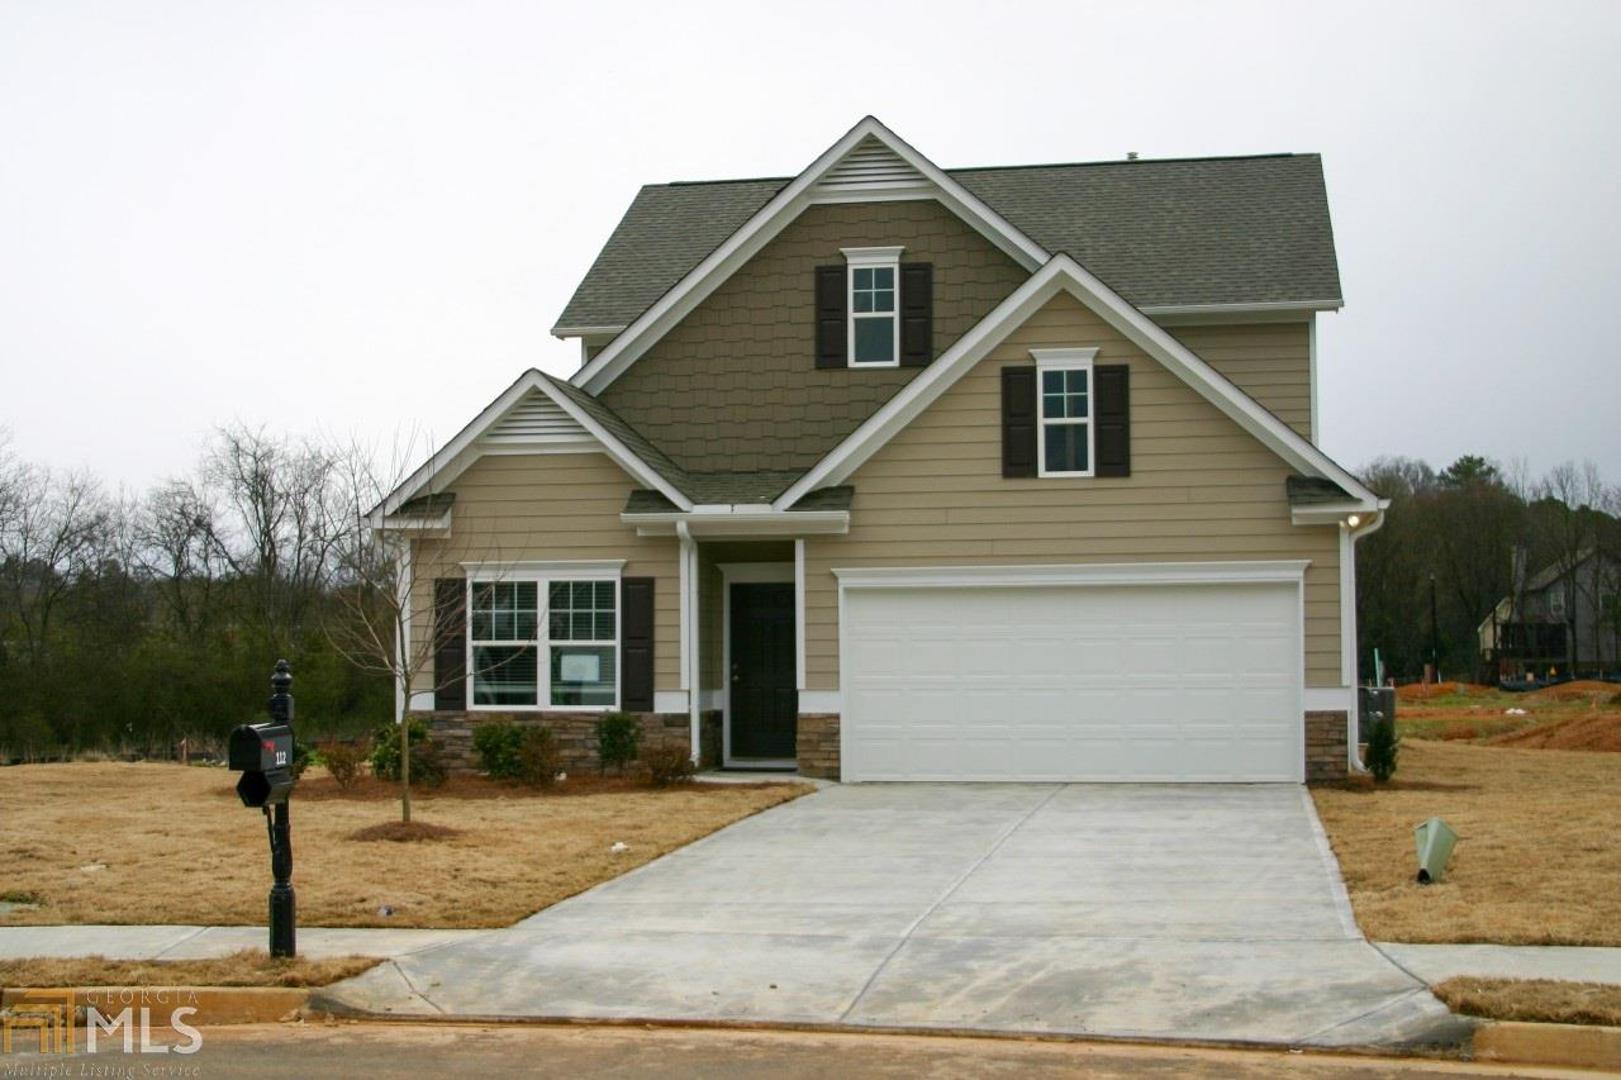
(1383, 746)
(427, 767)
(498, 745)
(540, 759)
(618, 735)
(343, 761)
(668, 765)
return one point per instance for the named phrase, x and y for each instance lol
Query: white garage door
(1112, 683)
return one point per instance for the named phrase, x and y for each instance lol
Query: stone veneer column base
(817, 745)
(575, 732)
(1326, 750)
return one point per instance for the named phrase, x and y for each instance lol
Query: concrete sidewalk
(1571, 963)
(1431, 963)
(201, 942)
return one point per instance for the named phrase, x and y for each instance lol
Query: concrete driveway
(1191, 912)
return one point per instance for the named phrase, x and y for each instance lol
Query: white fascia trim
(713, 525)
(440, 524)
(670, 701)
(537, 569)
(1064, 273)
(445, 465)
(1330, 699)
(769, 220)
(821, 701)
(585, 331)
(1268, 307)
(1329, 513)
(1288, 571)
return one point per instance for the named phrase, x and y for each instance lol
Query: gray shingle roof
(1161, 233)
(634, 441)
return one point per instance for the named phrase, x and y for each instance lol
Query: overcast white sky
(364, 217)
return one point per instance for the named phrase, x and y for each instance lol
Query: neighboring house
(1566, 619)
(886, 471)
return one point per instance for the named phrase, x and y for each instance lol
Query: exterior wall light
(1354, 520)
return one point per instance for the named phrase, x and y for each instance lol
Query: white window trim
(1066, 360)
(543, 574)
(871, 258)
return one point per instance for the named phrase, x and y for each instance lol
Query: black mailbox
(263, 754)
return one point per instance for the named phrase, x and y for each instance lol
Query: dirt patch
(405, 832)
(1539, 1001)
(1599, 732)
(172, 845)
(1536, 864)
(1431, 691)
(1591, 691)
(249, 967)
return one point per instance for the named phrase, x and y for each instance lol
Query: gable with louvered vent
(536, 420)
(870, 167)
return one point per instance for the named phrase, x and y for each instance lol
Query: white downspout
(1348, 597)
(689, 636)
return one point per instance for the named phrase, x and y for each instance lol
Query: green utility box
(1434, 840)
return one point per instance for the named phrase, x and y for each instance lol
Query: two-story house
(886, 471)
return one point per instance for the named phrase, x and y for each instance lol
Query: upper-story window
(1065, 409)
(874, 295)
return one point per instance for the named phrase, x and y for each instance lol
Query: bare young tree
(383, 619)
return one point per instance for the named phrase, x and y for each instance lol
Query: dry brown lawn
(1537, 862)
(160, 843)
(250, 967)
(1541, 1001)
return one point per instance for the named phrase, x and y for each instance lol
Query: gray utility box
(1373, 703)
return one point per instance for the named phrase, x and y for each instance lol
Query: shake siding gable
(1200, 488)
(734, 386)
(513, 508)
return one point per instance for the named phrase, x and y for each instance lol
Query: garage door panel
(1095, 683)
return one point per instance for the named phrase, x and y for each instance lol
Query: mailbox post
(263, 753)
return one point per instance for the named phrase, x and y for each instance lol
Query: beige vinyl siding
(1271, 362)
(1201, 488)
(734, 386)
(512, 508)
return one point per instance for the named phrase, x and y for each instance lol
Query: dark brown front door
(764, 703)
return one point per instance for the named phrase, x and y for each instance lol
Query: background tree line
(1468, 526)
(130, 621)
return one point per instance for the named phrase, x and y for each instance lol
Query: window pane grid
(579, 647)
(1065, 420)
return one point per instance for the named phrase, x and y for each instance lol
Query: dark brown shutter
(636, 644)
(917, 314)
(1019, 421)
(832, 342)
(1113, 437)
(450, 643)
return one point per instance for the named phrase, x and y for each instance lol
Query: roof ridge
(1027, 165)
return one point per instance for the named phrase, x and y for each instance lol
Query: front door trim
(771, 573)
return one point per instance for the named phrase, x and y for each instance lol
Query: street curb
(1579, 1045)
(214, 1005)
